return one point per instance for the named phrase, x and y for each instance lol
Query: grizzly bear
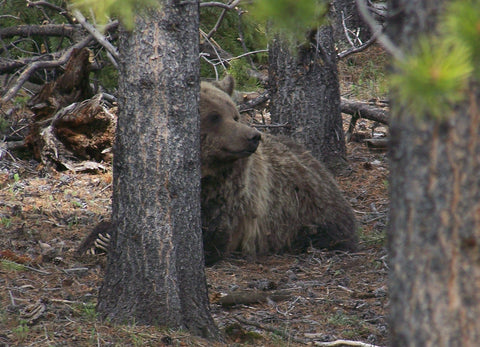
(260, 194)
(263, 194)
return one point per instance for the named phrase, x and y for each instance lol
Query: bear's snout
(255, 138)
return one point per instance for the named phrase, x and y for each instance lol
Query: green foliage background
(227, 37)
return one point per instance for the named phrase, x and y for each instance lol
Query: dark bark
(434, 230)
(304, 91)
(155, 272)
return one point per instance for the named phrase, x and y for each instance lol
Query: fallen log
(364, 110)
(249, 297)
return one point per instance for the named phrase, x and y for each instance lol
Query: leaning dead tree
(70, 128)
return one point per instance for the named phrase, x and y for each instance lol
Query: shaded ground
(48, 295)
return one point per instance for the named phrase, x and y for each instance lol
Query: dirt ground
(48, 293)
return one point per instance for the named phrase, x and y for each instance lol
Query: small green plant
(137, 340)
(9, 265)
(72, 221)
(16, 177)
(373, 238)
(76, 204)
(6, 222)
(21, 100)
(21, 331)
(87, 311)
(93, 336)
(351, 325)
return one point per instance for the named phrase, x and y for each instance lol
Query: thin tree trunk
(434, 229)
(304, 91)
(155, 272)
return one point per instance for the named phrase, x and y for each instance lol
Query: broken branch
(98, 37)
(364, 110)
(220, 4)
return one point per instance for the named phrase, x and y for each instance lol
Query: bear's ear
(227, 84)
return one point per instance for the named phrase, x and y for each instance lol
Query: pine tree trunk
(434, 231)
(305, 93)
(155, 272)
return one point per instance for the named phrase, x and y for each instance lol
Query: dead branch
(379, 10)
(98, 37)
(253, 103)
(246, 54)
(379, 144)
(67, 30)
(220, 4)
(347, 31)
(356, 49)
(9, 16)
(59, 9)
(216, 49)
(249, 297)
(241, 36)
(364, 110)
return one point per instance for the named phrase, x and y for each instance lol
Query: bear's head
(224, 139)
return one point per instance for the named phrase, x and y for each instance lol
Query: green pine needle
(462, 23)
(434, 78)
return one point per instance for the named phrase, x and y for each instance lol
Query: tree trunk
(434, 229)
(304, 91)
(155, 272)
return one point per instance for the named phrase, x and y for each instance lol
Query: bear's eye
(214, 117)
(235, 118)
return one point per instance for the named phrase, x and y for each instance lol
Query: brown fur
(264, 196)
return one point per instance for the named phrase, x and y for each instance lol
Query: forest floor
(48, 293)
